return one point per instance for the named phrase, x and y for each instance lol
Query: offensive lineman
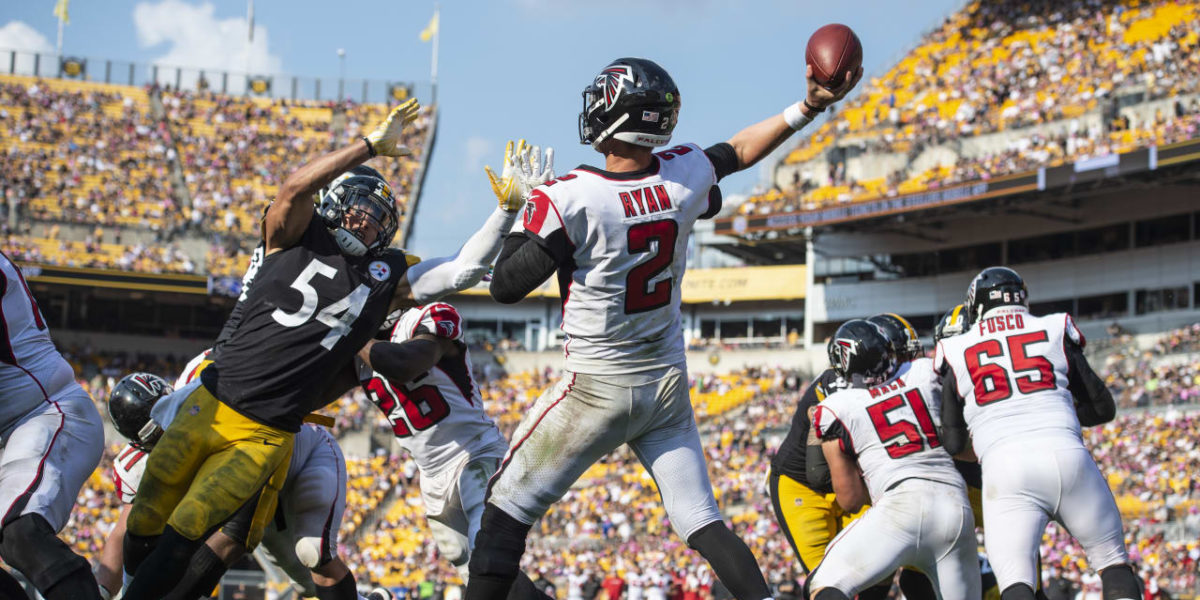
(51, 439)
(883, 428)
(326, 283)
(420, 378)
(1020, 387)
(617, 237)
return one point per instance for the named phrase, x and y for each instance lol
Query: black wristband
(806, 105)
(371, 149)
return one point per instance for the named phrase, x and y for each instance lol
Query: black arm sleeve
(1093, 402)
(523, 265)
(817, 468)
(403, 362)
(954, 434)
(724, 159)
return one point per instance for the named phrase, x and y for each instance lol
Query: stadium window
(1112, 238)
(1174, 298)
(970, 258)
(735, 328)
(1164, 230)
(708, 329)
(767, 328)
(1104, 306)
(1052, 306)
(1040, 248)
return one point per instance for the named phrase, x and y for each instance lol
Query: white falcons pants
(454, 501)
(47, 455)
(584, 417)
(922, 524)
(1024, 487)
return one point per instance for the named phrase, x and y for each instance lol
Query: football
(832, 51)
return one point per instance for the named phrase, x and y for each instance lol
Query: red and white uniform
(440, 420)
(51, 436)
(920, 515)
(1010, 368)
(620, 241)
(628, 242)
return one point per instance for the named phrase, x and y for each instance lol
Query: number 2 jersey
(310, 310)
(891, 429)
(439, 415)
(1011, 370)
(620, 241)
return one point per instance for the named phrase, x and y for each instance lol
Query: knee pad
(309, 551)
(499, 544)
(829, 593)
(1121, 583)
(1017, 591)
(30, 546)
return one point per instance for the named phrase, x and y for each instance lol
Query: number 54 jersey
(620, 240)
(1010, 369)
(891, 428)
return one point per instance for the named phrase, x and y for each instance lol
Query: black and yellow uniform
(801, 493)
(310, 310)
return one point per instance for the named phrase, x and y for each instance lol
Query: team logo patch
(194, 410)
(612, 80)
(846, 349)
(379, 270)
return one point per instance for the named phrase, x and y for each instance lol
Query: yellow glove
(388, 137)
(523, 170)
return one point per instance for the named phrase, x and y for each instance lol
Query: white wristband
(795, 118)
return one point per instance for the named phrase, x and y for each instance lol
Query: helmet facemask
(361, 213)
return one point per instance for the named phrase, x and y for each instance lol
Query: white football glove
(388, 137)
(523, 170)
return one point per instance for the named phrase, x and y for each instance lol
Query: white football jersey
(1011, 372)
(439, 415)
(892, 428)
(128, 467)
(624, 239)
(31, 369)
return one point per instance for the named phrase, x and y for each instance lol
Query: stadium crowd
(999, 66)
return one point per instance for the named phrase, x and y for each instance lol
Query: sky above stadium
(507, 68)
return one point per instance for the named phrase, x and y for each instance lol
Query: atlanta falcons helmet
(993, 287)
(633, 100)
(900, 334)
(366, 199)
(860, 353)
(951, 324)
(129, 407)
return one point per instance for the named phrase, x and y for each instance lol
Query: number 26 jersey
(1010, 369)
(309, 312)
(620, 240)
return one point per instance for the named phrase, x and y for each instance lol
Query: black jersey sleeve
(953, 434)
(523, 265)
(1094, 403)
(723, 158)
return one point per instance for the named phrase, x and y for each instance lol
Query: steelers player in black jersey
(327, 281)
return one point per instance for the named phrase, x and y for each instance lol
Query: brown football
(832, 51)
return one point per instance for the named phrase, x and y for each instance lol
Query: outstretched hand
(388, 137)
(523, 169)
(820, 96)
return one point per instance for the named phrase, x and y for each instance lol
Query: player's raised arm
(404, 361)
(289, 215)
(524, 168)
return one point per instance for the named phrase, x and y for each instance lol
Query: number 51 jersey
(620, 240)
(891, 428)
(1010, 369)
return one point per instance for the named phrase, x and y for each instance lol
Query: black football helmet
(356, 202)
(129, 407)
(900, 334)
(633, 100)
(992, 287)
(860, 353)
(951, 324)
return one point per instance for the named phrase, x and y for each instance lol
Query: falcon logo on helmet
(846, 350)
(612, 79)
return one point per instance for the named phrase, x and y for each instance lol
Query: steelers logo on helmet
(633, 100)
(360, 211)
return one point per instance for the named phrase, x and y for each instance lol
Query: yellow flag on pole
(431, 29)
(60, 11)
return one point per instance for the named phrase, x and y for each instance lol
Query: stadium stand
(1000, 88)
